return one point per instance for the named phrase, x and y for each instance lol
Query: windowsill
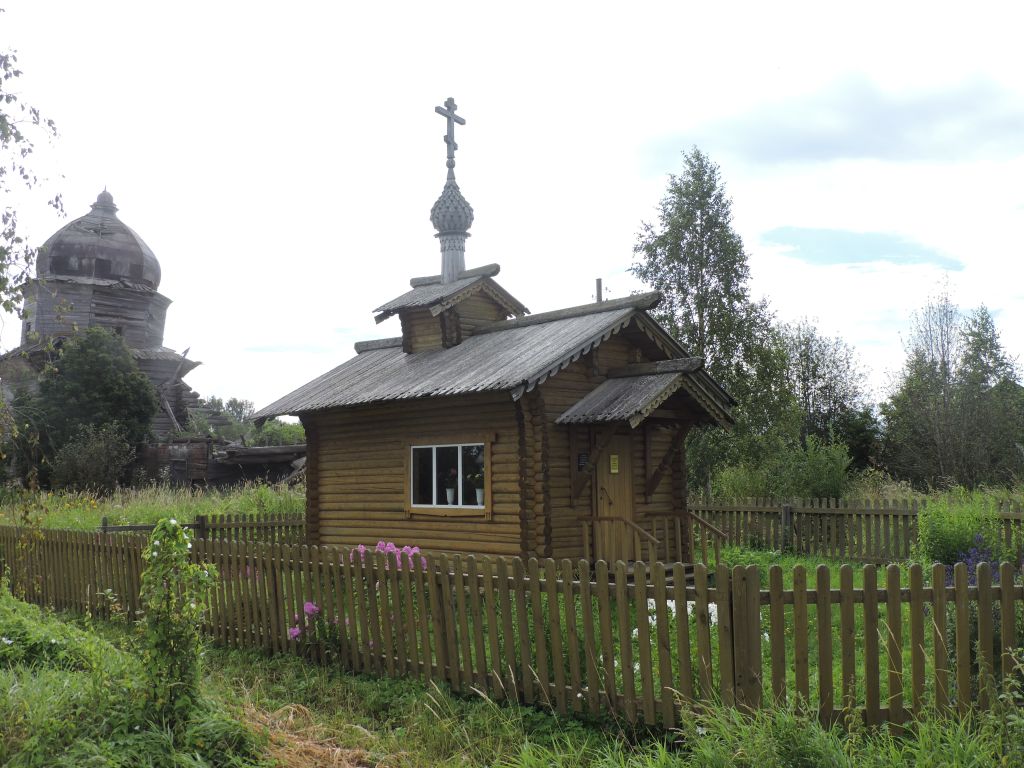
(449, 511)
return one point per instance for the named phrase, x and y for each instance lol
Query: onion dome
(452, 214)
(99, 246)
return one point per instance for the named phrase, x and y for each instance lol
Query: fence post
(787, 527)
(103, 525)
(202, 527)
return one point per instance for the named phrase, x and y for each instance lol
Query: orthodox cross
(448, 112)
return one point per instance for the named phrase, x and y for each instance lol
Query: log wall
(358, 467)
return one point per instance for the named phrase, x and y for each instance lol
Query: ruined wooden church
(485, 429)
(96, 271)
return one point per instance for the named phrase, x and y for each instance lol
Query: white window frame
(448, 510)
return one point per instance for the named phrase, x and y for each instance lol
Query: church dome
(99, 245)
(452, 213)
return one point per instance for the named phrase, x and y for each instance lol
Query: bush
(174, 591)
(95, 459)
(817, 470)
(949, 529)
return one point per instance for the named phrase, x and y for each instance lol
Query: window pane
(472, 474)
(447, 474)
(422, 475)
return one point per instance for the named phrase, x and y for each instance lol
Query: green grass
(404, 724)
(74, 698)
(146, 505)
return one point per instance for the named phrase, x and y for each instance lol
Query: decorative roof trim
(510, 303)
(487, 270)
(372, 344)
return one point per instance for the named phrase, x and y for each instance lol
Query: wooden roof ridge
(673, 365)
(372, 344)
(487, 270)
(641, 301)
(438, 296)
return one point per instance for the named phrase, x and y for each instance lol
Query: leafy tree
(235, 424)
(95, 383)
(694, 257)
(21, 127)
(828, 383)
(956, 412)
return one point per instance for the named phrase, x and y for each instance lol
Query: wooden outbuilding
(485, 429)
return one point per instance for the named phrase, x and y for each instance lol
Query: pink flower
(294, 632)
(310, 608)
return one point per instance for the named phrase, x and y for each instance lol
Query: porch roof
(631, 394)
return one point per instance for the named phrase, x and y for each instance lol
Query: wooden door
(613, 539)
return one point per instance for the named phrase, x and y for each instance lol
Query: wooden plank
(555, 624)
(526, 670)
(666, 682)
(917, 649)
(361, 575)
(449, 590)
(591, 649)
(894, 648)
(963, 638)
(351, 623)
(572, 636)
(625, 642)
(409, 654)
(847, 638)
(742, 648)
(294, 565)
(478, 630)
(248, 618)
(495, 684)
(508, 672)
(465, 641)
(801, 633)
(872, 694)
(726, 669)
(643, 628)
(338, 557)
(777, 634)
(986, 662)
(940, 648)
(604, 620)
(539, 631)
(395, 607)
(823, 614)
(438, 599)
(1008, 620)
(418, 574)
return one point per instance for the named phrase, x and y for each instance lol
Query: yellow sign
(614, 468)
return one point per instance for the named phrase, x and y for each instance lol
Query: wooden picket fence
(869, 531)
(599, 639)
(266, 527)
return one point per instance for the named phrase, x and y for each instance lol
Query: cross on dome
(448, 112)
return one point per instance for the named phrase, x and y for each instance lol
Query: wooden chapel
(486, 429)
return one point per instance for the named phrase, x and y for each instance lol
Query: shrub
(174, 592)
(950, 528)
(95, 459)
(817, 470)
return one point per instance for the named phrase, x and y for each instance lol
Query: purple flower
(294, 632)
(310, 608)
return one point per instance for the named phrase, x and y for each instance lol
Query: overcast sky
(281, 158)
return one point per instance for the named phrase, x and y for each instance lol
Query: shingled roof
(433, 294)
(513, 355)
